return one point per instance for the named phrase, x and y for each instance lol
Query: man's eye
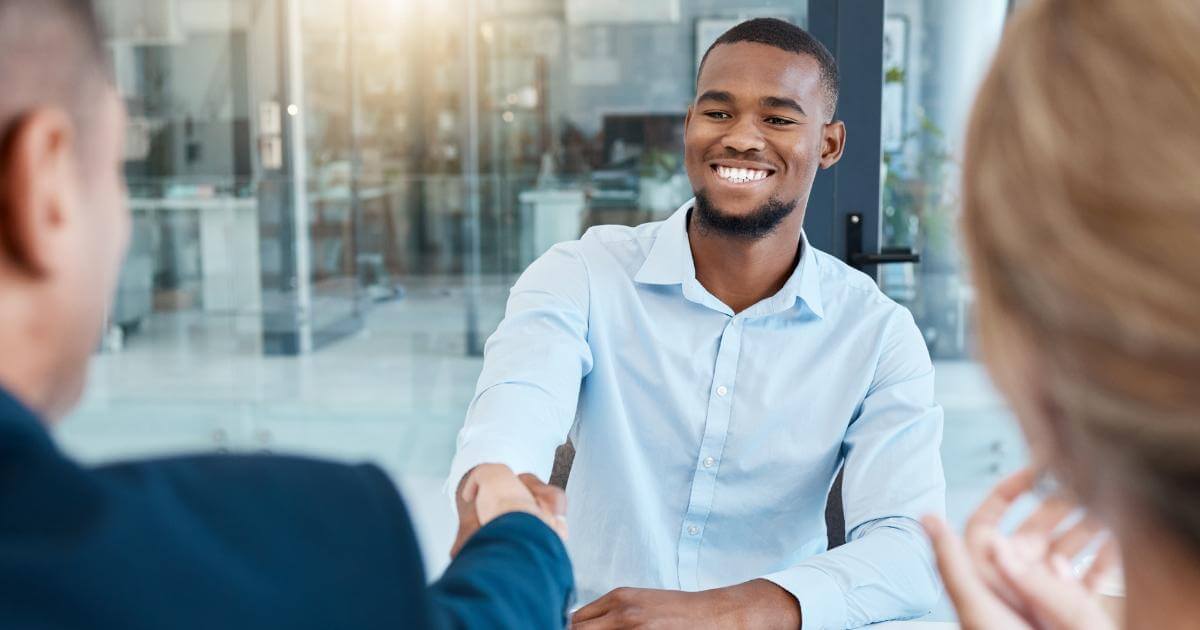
(717, 115)
(775, 120)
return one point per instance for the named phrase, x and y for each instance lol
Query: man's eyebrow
(776, 102)
(716, 95)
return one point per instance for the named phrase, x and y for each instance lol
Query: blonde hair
(1082, 218)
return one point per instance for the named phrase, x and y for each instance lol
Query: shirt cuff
(487, 450)
(822, 602)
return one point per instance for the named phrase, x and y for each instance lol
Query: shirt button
(722, 390)
(708, 462)
(693, 530)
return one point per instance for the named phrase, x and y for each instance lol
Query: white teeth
(741, 175)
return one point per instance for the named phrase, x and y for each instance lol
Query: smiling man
(714, 372)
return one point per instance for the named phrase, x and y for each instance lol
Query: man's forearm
(762, 605)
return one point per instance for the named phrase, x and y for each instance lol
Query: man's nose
(744, 136)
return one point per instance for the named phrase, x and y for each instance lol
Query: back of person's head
(784, 35)
(1082, 215)
(63, 222)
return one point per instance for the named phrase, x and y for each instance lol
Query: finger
(458, 545)
(606, 622)
(1049, 590)
(470, 489)
(1073, 541)
(1046, 518)
(1108, 558)
(468, 524)
(989, 513)
(593, 610)
(964, 586)
(552, 499)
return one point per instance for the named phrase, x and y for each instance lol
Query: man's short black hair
(785, 36)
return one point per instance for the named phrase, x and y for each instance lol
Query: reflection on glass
(934, 54)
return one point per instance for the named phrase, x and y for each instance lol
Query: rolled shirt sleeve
(893, 477)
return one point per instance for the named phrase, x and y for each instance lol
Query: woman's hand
(1023, 581)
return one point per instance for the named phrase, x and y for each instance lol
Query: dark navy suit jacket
(245, 542)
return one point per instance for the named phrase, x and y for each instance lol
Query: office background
(332, 197)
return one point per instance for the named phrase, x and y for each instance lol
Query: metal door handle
(858, 259)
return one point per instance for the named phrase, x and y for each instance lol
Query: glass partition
(935, 53)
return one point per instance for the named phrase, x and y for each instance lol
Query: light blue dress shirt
(707, 441)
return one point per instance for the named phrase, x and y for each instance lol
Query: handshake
(489, 491)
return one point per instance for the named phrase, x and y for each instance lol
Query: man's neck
(28, 372)
(742, 272)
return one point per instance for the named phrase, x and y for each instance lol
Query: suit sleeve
(514, 573)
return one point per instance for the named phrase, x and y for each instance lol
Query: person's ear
(687, 119)
(833, 144)
(37, 187)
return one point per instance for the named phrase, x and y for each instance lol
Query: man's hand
(758, 604)
(491, 490)
(1022, 582)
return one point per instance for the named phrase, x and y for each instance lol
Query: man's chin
(740, 218)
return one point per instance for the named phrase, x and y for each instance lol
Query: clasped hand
(492, 490)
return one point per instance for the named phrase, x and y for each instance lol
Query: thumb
(551, 499)
(977, 605)
(963, 583)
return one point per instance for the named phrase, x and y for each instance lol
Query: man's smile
(741, 173)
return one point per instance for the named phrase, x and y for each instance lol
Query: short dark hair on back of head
(785, 36)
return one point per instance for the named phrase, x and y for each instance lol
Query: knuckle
(629, 616)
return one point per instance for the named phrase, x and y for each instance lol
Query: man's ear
(37, 182)
(687, 119)
(833, 144)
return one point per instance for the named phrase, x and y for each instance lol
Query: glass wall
(935, 53)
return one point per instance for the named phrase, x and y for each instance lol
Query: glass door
(909, 70)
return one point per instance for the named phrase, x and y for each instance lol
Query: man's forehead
(757, 70)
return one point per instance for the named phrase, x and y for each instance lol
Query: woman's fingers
(988, 515)
(1046, 518)
(1108, 558)
(1077, 538)
(1048, 589)
(977, 605)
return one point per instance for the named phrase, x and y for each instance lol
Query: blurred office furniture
(228, 247)
(135, 288)
(552, 216)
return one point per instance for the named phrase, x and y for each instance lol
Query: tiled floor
(394, 394)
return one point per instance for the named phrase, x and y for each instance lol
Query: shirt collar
(670, 257)
(670, 262)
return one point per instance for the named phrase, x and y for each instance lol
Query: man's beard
(760, 223)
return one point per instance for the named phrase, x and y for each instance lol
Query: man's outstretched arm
(526, 398)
